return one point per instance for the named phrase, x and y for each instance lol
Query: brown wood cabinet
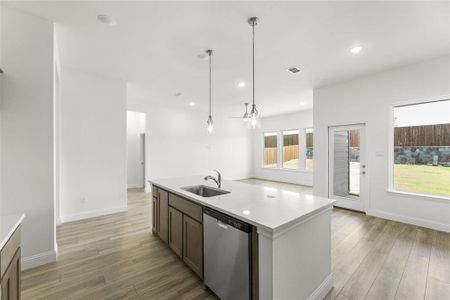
(176, 231)
(179, 223)
(10, 268)
(155, 214)
(193, 244)
(10, 285)
(160, 206)
(163, 218)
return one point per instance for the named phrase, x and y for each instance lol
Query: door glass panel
(346, 158)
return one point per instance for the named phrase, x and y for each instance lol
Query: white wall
(135, 127)
(298, 120)
(93, 145)
(1, 96)
(369, 100)
(26, 129)
(178, 143)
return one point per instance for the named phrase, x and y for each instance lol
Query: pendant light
(254, 117)
(245, 117)
(209, 122)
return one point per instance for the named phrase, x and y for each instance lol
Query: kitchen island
(10, 253)
(293, 233)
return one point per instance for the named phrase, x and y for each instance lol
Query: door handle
(221, 224)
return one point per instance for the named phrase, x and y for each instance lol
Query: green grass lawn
(422, 179)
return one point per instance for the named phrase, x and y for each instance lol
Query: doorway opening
(136, 137)
(347, 166)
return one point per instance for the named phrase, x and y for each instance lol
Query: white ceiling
(154, 45)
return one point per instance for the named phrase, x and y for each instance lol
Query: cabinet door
(193, 244)
(176, 231)
(163, 229)
(10, 285)
(155, 215)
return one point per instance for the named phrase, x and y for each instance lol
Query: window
(270, 150)
(422, 148)
(309, 149)
(290, 149)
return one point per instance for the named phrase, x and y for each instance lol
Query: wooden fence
(422, 136)
(289, 153)
(309, 139)
(270, 156)
(353, 137)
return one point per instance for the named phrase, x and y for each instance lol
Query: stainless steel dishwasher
(226, 255)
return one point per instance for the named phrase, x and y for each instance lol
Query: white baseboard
(134, 186)
(40, 259)
(409, 220)
(238, 177)
(323, 289)
(93, 213)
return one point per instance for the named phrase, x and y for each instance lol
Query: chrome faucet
(218, 181)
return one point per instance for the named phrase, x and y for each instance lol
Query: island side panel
(298, 260)
(265, 257)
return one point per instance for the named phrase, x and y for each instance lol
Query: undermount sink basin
(204, 191)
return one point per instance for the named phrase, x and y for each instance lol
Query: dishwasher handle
(221, 224)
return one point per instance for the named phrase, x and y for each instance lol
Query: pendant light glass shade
(209, 122)
(246, 116)
(254, 117)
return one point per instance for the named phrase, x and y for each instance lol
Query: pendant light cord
(253, 61)
(210, 81)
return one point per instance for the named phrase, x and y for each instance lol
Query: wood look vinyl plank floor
(116, 257)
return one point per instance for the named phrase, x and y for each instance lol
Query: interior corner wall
(92, 145)
(178, 144)
(26, 130)
(370, 100)
(299, 120)
(135, 128)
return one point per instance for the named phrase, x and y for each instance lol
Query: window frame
(281, 133)
(276, 133)
(306, 148)
(302, 154)
(391, 173)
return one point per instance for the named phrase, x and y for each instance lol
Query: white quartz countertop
(267, 208)
(8, 224)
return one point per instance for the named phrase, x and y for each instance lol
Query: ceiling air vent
(294, 70)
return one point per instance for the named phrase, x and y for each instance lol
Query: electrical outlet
(83, 200)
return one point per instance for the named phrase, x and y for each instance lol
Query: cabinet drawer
(187, 207)
(8, 251)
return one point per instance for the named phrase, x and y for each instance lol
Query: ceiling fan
(246, 115)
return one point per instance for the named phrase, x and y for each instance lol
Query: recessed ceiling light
(355, 50)
(302, 103)
(241, 84)
(191, 103)
(294, 70)
(108, 20)
(177, 94)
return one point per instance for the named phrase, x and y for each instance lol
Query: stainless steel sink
(204, 191)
